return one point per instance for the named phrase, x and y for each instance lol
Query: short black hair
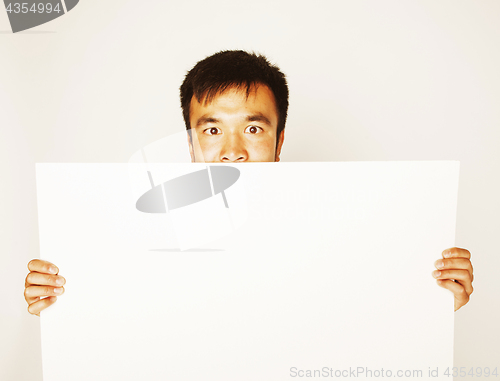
(234, 69)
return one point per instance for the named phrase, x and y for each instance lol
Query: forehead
(237, 101)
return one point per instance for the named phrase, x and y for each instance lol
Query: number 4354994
(35, 8)
(471, 372)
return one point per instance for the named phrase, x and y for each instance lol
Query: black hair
(234, 69)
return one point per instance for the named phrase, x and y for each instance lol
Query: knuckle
(33, 263)
(464, 253)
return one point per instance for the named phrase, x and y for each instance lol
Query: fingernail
(58, 291)
(60, 281)
(52, 270)
(439, 264)
(447, 254)
(436, 273)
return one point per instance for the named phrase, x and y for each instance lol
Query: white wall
(369, 80)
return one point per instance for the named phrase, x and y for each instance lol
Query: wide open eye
(253, 130)
(212, 131)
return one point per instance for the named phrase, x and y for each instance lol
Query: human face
(234, 128)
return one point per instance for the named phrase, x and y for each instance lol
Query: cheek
(206, 151)
(264, 150)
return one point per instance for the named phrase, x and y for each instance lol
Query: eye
(212, 131)
(253, 130)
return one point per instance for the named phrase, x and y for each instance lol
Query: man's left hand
(454, 272)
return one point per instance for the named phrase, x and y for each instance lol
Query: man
(235, 107)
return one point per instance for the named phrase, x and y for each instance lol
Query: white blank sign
(314, 269)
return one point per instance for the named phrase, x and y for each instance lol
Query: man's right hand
(42, 285)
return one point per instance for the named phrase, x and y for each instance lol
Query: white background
(369, 80)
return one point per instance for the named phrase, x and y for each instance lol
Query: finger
(32, 293)
(456, 252)
(41, 266)
(455, 263)
(34, 278)
(461, 276)
(459, 293)
(40, 305)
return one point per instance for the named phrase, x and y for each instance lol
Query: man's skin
(234, 128)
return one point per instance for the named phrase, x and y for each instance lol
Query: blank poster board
(312, 270)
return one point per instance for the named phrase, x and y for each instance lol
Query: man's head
(235, 103)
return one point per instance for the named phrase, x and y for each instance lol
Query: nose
(233, 150)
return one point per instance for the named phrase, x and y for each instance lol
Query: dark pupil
(213, 131)
(253, 130)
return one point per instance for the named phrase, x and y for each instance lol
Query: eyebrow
(250, 118)
(258, 118)
(206, 119)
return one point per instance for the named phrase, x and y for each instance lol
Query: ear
(278, 147)
(190, 143)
